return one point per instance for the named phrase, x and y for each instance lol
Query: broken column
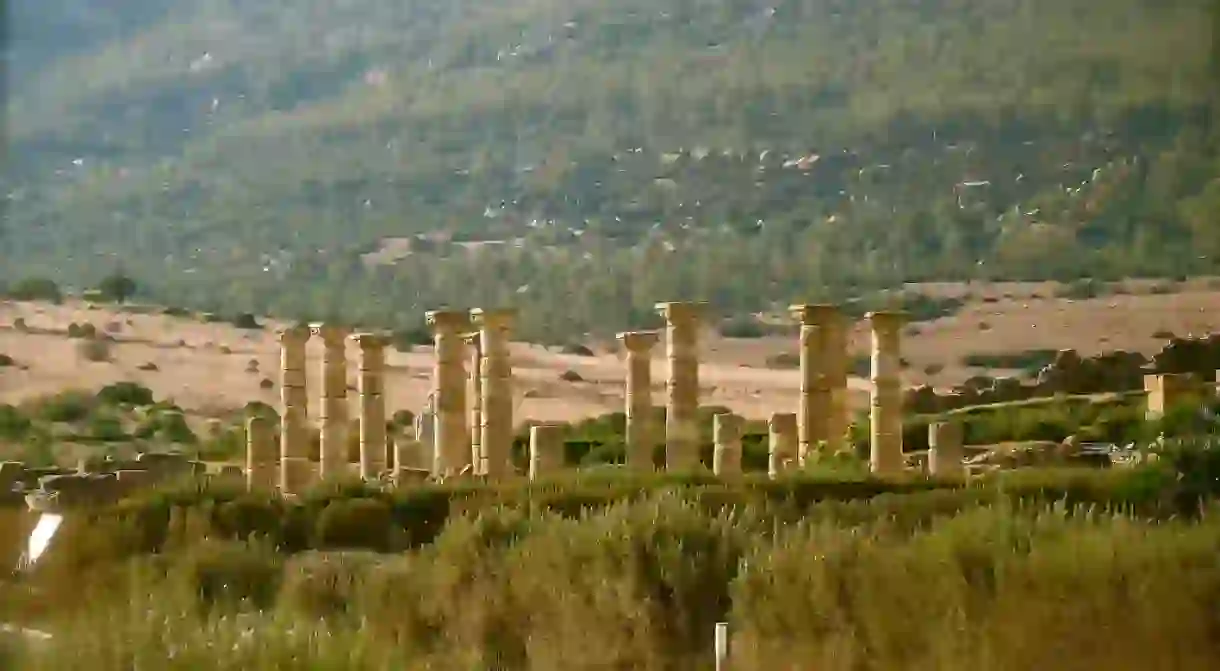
(641, 437)
(262, 455)
(332, 411)
(682, 384)
(451, 436)
(474, 397)
(296, 471)
(496, 434)
(781, 442)
(885, 429)
(946, 455)
(546, 450)
(1167, 391)
(726, 445)
(838, 364)
(370, 385)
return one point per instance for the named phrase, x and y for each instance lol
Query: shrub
(94, 350)
(126, 393)
(354, 524)
(232, 573)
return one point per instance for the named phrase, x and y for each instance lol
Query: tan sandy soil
(194, 371)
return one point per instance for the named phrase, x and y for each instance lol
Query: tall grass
(950, 579)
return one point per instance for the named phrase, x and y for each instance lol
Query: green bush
(362, 523)
(126, 393)
(232, 573)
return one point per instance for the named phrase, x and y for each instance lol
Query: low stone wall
(95, 482)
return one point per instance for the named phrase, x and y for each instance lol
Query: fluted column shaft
(781, 442)
(682, 385)
(474, 397)
(451, 436)
(546, 450)
(370, 385)
(333, 411)
(296, 471)
(945, 456)
(496, 437)
(885, 431)
(641, 435)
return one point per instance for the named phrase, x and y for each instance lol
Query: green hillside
(225, 151)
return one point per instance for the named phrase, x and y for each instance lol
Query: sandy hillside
(204, 367)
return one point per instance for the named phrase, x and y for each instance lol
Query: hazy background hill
(342, 157)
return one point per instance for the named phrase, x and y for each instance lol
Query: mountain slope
(234, 132)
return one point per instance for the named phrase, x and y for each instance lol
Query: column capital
(290, 335)
(815, 314)
(446, 321)
(639, 341)
(331, 334)
(493, 317)
(370, 341)
(887, 320)
(681, 311)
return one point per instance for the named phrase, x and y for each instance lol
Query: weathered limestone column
(451, 438)
(885, 432)
(474, 397)
(333, 412)
(641, 437)
(838, 364)
(726, 441)
(945, 457)
(546, 450)
(296, 471)
(817, 406)
(496, 436)
(781, 442)
(370, 384)
(682, 384)
(262, 455)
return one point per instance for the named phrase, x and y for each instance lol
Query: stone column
(838, 364)
(451, 436)
(474, 397)
(682, 384)
(496, 434)
(641, 438)
(726, 440)
(945, 457)
(370, 384)
(885, 431)
(815, 417)
(781, 442)
(296, 471)
(332, 411)
(262, 455)
(546, 450)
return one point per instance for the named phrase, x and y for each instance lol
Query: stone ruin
(93, 482)
(1073, 374)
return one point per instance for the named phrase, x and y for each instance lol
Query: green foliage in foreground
(978, 578)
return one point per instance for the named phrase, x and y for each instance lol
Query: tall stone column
(262, 455)
(945, 457)
(781, 442)
(296, 471)
(370, 384)
(451, 437)
(474, 397)
(682, 384)
(496, 436)
(817, 406)
(641, 436)
(726, 441)
(885, 431)
(838, 364)
(333, 411)
(546, 450)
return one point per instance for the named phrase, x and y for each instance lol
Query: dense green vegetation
(629, 572)
(242, 156)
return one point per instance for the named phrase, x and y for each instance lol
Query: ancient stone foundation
(682, 322)
(885, 434)
(641, 435)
